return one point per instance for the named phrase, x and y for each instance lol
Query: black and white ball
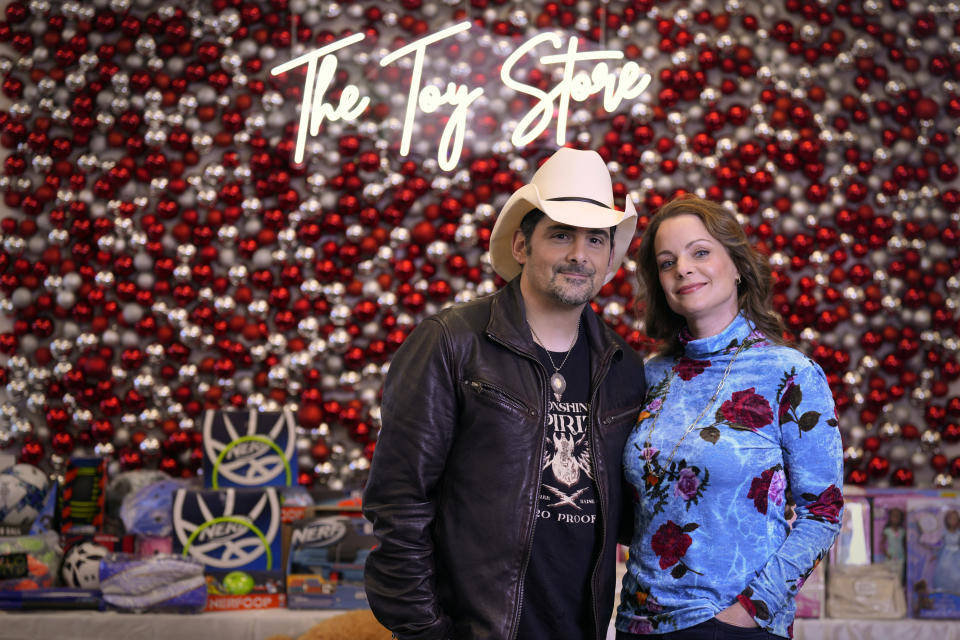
(81, 565)
(23, 488)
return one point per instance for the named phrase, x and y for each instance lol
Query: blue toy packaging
(236, 535)
(325, 562)
(249, 449)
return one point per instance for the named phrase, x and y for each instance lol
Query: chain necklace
(647, 441)
(558, 383)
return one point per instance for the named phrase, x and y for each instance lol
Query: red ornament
(31, 452)
(857, 477)
(310, 415)
(878, 466)
(950, 433)
(939, 462)
(902, 477)
(62, 443)
(320, 451)
(130, 460)
(305, 478)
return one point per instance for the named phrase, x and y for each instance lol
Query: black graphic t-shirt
(556, 590)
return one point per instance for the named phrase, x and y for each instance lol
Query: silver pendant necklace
(654, 477)
(558, 383)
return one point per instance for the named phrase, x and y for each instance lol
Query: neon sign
(575, 85)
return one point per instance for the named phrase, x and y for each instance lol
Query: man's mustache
(580, 271)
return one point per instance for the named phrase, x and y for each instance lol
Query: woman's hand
(737, 616)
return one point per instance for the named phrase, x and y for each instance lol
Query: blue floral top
(713, 524)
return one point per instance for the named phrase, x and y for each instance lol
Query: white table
(259, 625)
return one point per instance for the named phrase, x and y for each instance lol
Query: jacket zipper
(610, 419)
(536, 501)
(601, 375)
(486, 388)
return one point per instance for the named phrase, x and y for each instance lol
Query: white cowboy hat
(572, 187)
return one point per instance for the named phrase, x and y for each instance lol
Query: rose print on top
(746, 410)
(670, 543)
(687, 484)
(825, 507)
(755, 607)
(688, 369)
(789, 397)
(769, 487)
(654, 399)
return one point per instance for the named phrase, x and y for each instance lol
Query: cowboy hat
(572, 187)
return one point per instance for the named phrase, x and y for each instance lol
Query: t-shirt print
(567, 482)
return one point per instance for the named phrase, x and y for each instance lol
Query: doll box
(811, 597)
(236, 535)
(852, 547)
(890, 532)
(249, 449)
(933, 557)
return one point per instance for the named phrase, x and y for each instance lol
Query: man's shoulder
(630, 357)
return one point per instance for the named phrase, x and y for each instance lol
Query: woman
(734, 422)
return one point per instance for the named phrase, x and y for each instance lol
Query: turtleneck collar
(735, 332)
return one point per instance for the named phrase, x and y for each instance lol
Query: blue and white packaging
(325, 562)
(249, 449)
(236, 535)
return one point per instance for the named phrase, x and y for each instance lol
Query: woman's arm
(813, 461)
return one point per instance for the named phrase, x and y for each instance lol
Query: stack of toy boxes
(233, 525)
(914, 536)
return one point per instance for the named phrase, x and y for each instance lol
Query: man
(496, 488)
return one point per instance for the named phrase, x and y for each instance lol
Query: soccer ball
(31, 475)
(81, 565)
(23, 488)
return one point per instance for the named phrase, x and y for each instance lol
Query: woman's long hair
(753, 291)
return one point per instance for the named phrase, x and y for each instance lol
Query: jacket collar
(508, 323)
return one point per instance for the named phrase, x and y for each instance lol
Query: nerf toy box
(325, 560)
(236, 535)
(249, 449)
(81, 505)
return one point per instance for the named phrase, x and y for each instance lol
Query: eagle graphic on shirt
(565, 463)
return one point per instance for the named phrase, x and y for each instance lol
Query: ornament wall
(162, 253)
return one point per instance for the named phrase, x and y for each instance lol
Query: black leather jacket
(453, 487)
